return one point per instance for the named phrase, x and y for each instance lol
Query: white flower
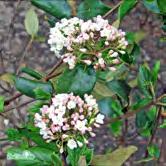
(71, 104)
(80, 144)
(6, 122)
(61, 150)
(72, 144)
(114, 55)
(58, 120)
(99, 119)
(83, 50)
(81, 125)
(88, 62)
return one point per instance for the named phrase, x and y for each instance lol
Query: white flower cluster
(68, 118)
(93, 42)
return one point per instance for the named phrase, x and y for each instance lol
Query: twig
(114, 8)
(131, 113)
(28, 47)
(19, 106)
(64, 159)
(52, 76)
(55, 67)
(7, 102)
(72, 4)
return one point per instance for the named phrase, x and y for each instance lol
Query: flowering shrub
(93, 42)
(96, 86)
(68, 118)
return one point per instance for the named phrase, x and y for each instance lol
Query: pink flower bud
(112, 68)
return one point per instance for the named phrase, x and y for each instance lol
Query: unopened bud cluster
(69, 119)
(93, 42)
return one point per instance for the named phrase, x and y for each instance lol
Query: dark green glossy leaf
(41, 94)
(80, 80)
(34, 155)
(31, 72)
(163, 125)
(154, 151)
(91, 8)
(36, 107)
(13, 134)
(2, 101)
(152, 5)
(37, 139)
(162, 6)
(144, 80)
(56, 160)
(56, 8)
(141, 103)
(121, 88)
(125, 8)
(27, 87)
(116, 128)
(145, 121)
(75, 154)
(155, 72)
(132, 54)
(109, 107)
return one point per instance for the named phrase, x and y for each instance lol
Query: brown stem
(49, 76)
(19, 106)
(7, 102)
(52, 76)
(55, 67)
(114, 8)
(28, 47)
(64, 159)
(133, 112)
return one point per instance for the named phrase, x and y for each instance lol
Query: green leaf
(152, 5)
(13, 134)
(125, 8)
(91, 8)
(37, 139)
(162, 6)
(155, 72)
(41, 94)
(109, 107)
(34, 155)
(116, 158)
(102, 90)
(154, 151)
(145, 121)
(27, 87)
(56, 160)
(121, 88)
(80, 80)
(36, 107)
(31, 72)
(144, 80)
(163, 125)
(132, 54)
(141, 103)
(31, 22)
(59, 9)
(116, 128)
(7, 77)
(75, 154)
(120, 73)
(2, 101)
